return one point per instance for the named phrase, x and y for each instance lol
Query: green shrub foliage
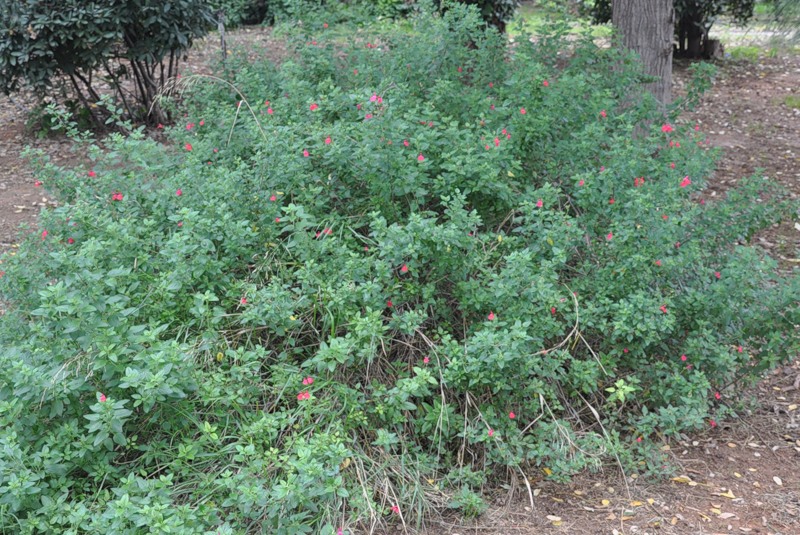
(423, 260)
(134, 45)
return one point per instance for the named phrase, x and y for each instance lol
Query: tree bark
(646, 27)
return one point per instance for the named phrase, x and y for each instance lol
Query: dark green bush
(430, 262)
(134, 45)
(496, 13)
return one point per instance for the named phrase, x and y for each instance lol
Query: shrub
(134, 46)
(422, 263)
(496, 13)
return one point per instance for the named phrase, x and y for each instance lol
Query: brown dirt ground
(741, 477)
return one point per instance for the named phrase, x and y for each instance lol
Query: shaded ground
(741, 477)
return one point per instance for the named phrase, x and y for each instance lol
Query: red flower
(713, 423)
(405, 142)
(396, 509)
(426, 360)
(102, 397)
(202, 122)
(420, 158)
(672, 165)
(324, 24)
(663, 308)
(160, 126)
(717, 395)
(611, 200)
(539, 203)
(683, 358)
(308, 381)
(491, 432)
(609, 236)
(490, 317)
(188, 147)
(355, 71)
(179, 192)
(459, 69)
(522, 111)
(739, 349)
(491, 84)
(269, 111)
(189, 126)
(512, 415)
(305, 153)
(328, 140)
(685, 182)
(92, 174)
(603, 114)
(553, 311)
(70, 240)
(546, 83)
(667, 128)
(717, 274)
(303, 395)
(658, 262)
(277, 219)
(580, 182)
(180, 223)
(116, 196)
(625, 350)
(404, 268)
(497, 142)
(37, 183)
(389, 304)
(313, 107)
(273, 198)
(664, 217)
(697, 128)
(243, 301)
(638, 439)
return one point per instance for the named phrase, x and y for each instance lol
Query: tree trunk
(646, 27)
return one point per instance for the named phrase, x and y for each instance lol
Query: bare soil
(740, 477)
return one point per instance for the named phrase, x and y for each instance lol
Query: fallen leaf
(673, 520)
(731, 445)
(578, 493)
(726, 516)
(792, 407)
(728, 494)
(777, 481)
(605, 503)
(651, 501)
(547, 471)
(737, 474)
(536, 492)
(716, 511)
(682, 479)
(636, 504)
(553, 518)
